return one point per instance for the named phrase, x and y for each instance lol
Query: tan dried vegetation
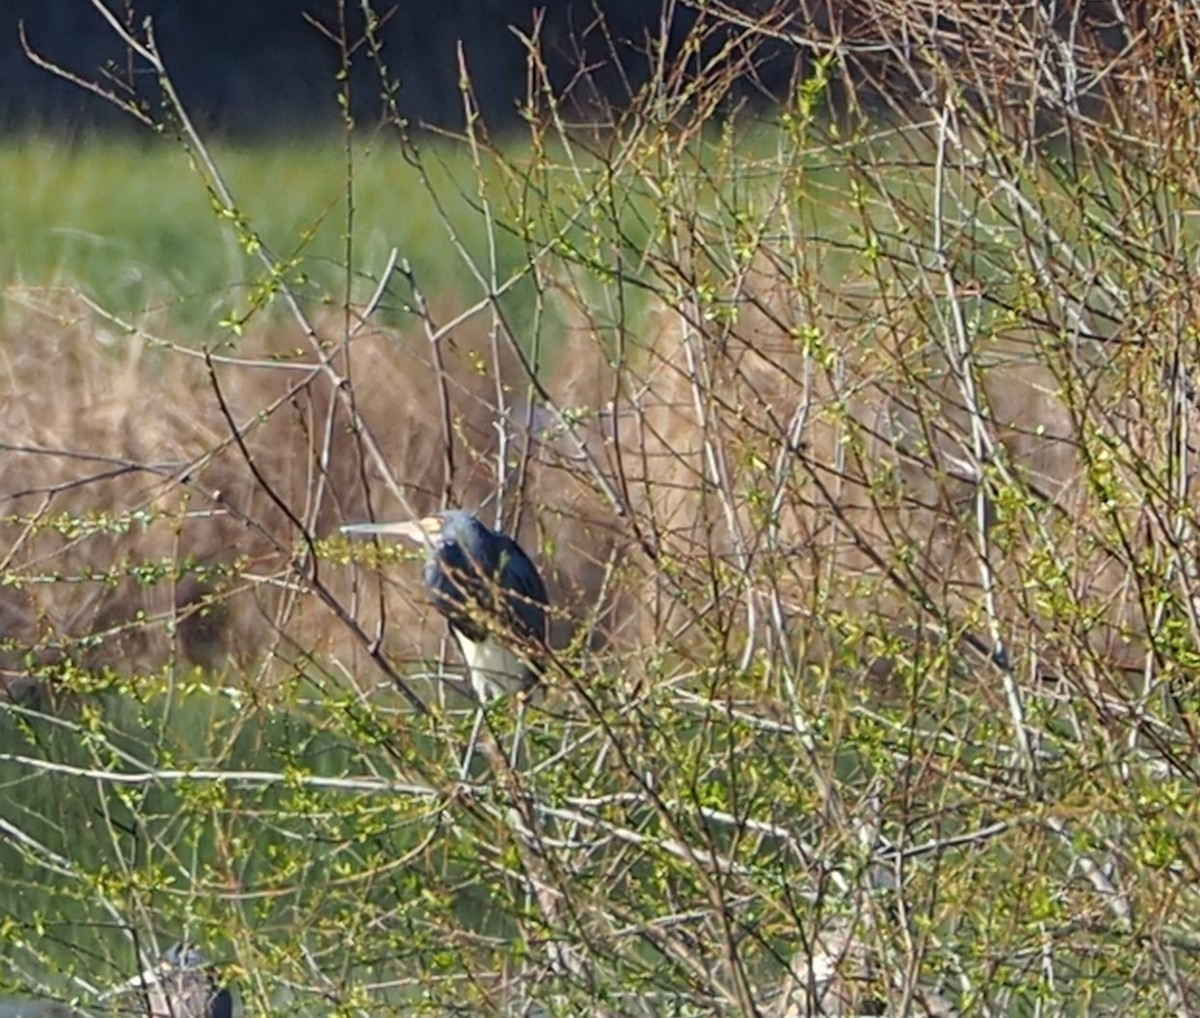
(786, 460)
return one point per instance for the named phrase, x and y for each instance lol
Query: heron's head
(451, 526)
(182, 956)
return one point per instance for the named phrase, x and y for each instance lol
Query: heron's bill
(414, 530)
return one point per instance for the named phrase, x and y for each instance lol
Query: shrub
(855, 432)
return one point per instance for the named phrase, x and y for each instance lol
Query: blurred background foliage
(262, 69)
(834, 363)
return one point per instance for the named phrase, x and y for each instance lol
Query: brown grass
(155, 411)
(792, 464)
(227, 597)
(799, 461)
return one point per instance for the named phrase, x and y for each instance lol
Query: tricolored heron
(491, 595)
(180, 985)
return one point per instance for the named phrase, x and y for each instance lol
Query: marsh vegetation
(855, 435)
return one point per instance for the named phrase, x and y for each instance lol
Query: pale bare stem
(318, 461)
(1104, 880)
(215, 179)
(433, 337)
(107, 94)
(42, 857)
(372, 306)
(491, 280)
(788, 449)
(1041, 235)
(1175, 572)
(1100, 877)
(1174, 561)
(983, 449)
(699, 356)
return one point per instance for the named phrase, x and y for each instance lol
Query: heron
(180, 985)
(491, 595)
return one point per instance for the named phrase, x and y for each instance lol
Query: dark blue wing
(221, 1005)
(500, 584)
(458, 592)
(524, 594)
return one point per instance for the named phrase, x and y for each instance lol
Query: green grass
(319, 856)
(134, 228)
(426, 886)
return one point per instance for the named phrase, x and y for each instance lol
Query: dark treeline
(253, 68)
(249, 67)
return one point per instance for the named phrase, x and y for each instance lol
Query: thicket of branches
(858, 442)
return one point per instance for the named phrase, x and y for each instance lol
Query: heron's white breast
(495, 670)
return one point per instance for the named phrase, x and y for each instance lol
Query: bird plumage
(490, 593)
(180, 985)
(493, 598)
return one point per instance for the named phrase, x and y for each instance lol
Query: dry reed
(790, 462)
